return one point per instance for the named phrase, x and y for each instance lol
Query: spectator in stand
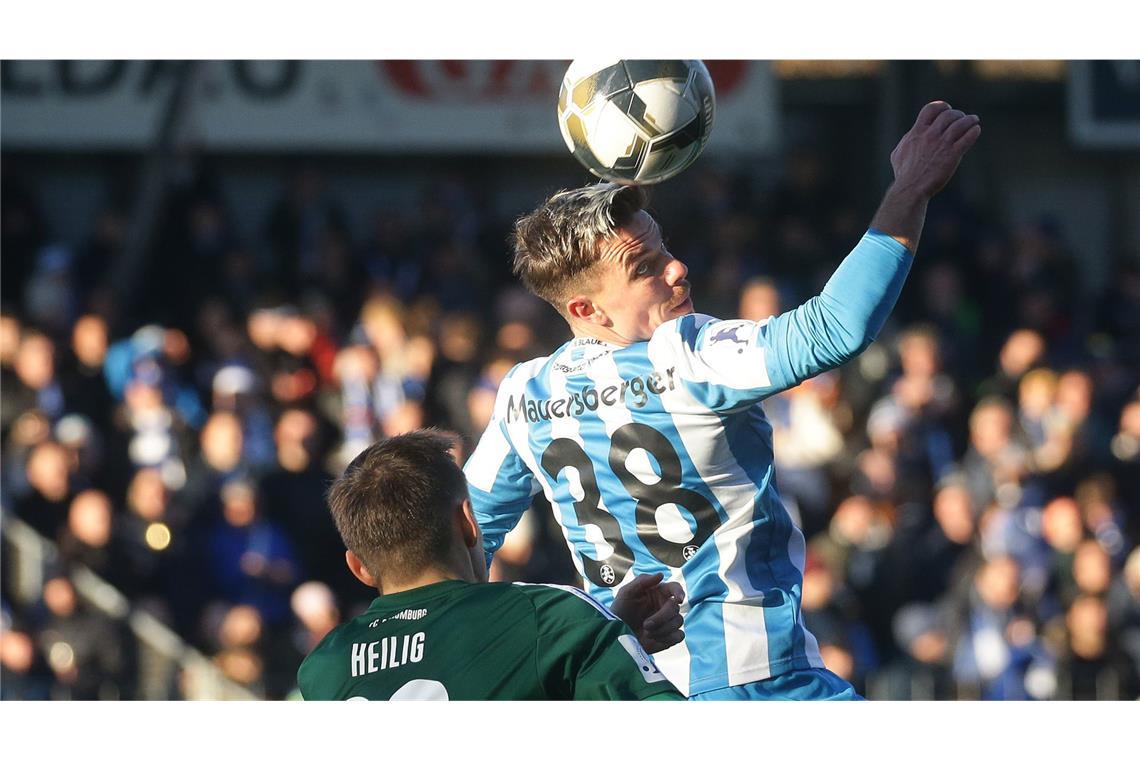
(454, 372)
(236, 389)
(933, 558)
(45, 506)
(856, 547)
(252, 561)
(244, 667)
(1092, 569)
(86, 651)
(922, 671)
(1062, 532)
(996, 644)
(295, 377)
(398, 391)
(24, 674)
(86, 540)
(833, 614)
(759, 299)
(481, 396)
(245, 644)
(994, 458)
(925, 398)
(1103, 515)
(37, 386)
(316, 610)
(28, 431)
(85, 450)
(1080, 431)
(1035, 418)
(356, 369)
(1092, 665)
(219, 461)
(263, 327)
(293, 494)
(1022, 351)
(806, 442)
(151, 536)
(81, 376)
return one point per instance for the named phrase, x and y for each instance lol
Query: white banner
(383, 106)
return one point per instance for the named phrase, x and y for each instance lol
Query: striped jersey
(657, 457)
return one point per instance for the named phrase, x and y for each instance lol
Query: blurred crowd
(969, 487)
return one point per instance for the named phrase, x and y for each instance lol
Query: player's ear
(469, 526)
(584, 308)
(357, 568)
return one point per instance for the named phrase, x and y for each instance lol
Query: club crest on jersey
(608, 575)
(689, 552)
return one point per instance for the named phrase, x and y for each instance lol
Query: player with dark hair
(645, 431)
(438, 630)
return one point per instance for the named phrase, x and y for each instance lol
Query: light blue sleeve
(729, 364)
(498, 482)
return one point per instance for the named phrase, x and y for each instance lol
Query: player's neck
(583, 329)
(428, 577)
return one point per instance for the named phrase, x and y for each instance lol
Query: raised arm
(735, 363)
(924, 161)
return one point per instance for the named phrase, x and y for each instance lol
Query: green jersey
(458, 640)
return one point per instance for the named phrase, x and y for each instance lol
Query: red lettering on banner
(510, 80)
(727, 75)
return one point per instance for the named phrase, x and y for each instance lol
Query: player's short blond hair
(557, 243)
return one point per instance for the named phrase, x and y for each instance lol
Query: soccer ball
(636, 122)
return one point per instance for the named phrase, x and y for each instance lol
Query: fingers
(642, 583)
(668, 616)
(943, 121)
(661, 643)
(675, 590)
(961, 126)
(930, 112)
(967, 140)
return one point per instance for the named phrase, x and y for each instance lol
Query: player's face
(642, 285)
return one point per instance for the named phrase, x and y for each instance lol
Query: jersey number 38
(566, 452)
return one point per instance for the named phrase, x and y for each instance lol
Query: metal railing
(168, 667)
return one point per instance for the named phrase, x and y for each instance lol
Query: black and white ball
(636, 122)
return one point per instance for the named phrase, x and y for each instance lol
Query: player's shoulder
(681, 333)
(689, 324)
(700, 331)
(567, 600)
(527, 370)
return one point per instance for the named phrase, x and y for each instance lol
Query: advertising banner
(381, 106)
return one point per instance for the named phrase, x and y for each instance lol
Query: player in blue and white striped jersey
(645, 431)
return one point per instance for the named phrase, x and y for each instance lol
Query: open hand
(928, 155)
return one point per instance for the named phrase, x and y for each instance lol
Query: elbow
(851, 343)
